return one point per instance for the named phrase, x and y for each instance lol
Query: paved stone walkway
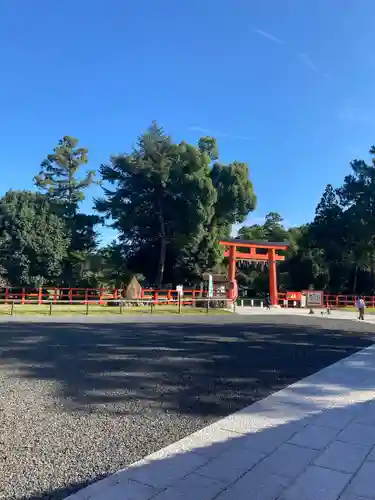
(335, 313)
(314, 440)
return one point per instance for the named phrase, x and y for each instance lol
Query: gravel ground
(79, 399)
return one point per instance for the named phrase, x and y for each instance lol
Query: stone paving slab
(314, 440)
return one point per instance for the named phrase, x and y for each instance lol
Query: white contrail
(306, 59)
(270, 37)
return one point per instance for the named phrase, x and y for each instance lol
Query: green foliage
(33, 241)
(336, 251)
(235, 194)
(58, 179)
(58, 174)
(254, 276)
(169, 205)
(208, 146)
(271, 230)
(114, 270)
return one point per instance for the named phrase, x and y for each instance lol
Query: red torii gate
(267, 253)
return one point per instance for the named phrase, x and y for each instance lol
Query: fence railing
(338, 301)
(57, 295)
(190, 295)
(83, 295)
(28, 295)
(117, 306)
(331, 301)
(246, 302)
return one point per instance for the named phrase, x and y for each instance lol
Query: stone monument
(133, 290)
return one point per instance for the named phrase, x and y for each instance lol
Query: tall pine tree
(59, 179)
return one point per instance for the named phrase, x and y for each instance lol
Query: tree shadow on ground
(247, 458)
(200, 369)
(197, 370)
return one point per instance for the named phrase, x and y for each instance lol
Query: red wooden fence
(101, 295)
(72, 295)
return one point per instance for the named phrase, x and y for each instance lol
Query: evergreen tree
(33, 240)
(161, 201)
(59, 180)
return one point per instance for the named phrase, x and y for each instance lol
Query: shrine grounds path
(82, 398)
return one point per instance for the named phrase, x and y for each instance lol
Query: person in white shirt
(360, 305)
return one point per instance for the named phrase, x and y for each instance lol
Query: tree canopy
(58, 174)
(170, 202)
(59, 180)
(336, 250)
(33, 240)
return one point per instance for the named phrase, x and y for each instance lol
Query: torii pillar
(267, 253)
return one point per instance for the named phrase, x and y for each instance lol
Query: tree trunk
(163, 249)
(162, 254)
(355, 280)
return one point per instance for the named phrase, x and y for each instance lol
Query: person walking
(360, 305)
(268, 301)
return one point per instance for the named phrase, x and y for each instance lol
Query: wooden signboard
(293, 296)
(314, 298)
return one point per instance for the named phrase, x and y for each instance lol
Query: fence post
(207, 305)
(50, 308)
(152, 306)
(12, 308)
(6, 295)
(23, 296)
(121, 303)
(87, 308)
(40, 295)
(179, 304)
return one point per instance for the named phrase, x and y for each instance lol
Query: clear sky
(285, 85)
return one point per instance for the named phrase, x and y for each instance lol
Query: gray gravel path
(79, 400)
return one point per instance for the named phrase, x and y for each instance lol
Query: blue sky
(287, 86)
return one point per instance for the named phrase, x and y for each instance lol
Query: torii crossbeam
(258, 251)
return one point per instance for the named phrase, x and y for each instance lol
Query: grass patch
(100, 310)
